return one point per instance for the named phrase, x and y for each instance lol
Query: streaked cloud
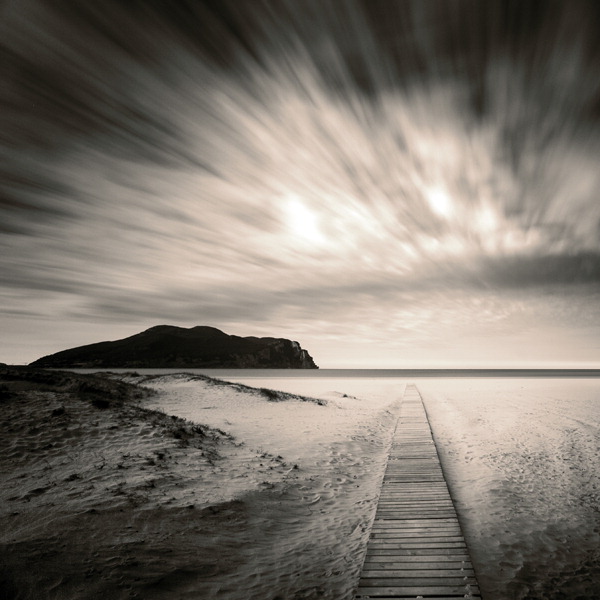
(404, 173)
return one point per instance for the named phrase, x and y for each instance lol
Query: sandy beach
(181, 486)
(112, 488)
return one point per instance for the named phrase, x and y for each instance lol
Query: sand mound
(93, 485)
(102, 495)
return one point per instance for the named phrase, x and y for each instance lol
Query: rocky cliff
(166, 346)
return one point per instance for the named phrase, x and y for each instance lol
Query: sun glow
(303, 222)
(486, 220)
(440, 202)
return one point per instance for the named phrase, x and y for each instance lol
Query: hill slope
(165, 346)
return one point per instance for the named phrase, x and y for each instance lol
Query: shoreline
(355, 373)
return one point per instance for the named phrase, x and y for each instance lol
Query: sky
(393, 184)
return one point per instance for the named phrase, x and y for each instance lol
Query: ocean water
(522, 460)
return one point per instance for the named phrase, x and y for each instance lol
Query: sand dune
(103, 496)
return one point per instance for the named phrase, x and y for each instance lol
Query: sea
(521, 454)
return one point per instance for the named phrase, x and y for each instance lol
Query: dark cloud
(559, 270)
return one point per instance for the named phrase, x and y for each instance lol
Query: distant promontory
(166, 346)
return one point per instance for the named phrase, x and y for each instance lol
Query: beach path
(416, 547)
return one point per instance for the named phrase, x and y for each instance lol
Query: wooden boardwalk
(416, 548)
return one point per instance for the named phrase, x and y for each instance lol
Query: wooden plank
(415, 561)
(395, 515)
(418, 524)
(427, 507)
(418, 530)
(455, 582)
(391, 501)
(401, 524)
(415, 486)
(419, 535)
(391, 504)
(424, 513)
(440, 531)
(412, 513)
(395, 484)
(423, 522)
(409, 561)
(435, 513)
(417, 552)
(416, 546)
(415, 496)
(413, 591)
(428, 536)
(401, 545)
(400, 503)
(415, 490)
(417, 471)
(376, 572)
(415, 477)
(403, 512)
(422, 472)
(400, 499)
(436, 597)
(396, 496)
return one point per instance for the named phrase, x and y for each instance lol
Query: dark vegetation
(99, 390)
(102, 392)
(270, 394)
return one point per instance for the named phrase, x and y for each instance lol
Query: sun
(440, 202)
(302, 221)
